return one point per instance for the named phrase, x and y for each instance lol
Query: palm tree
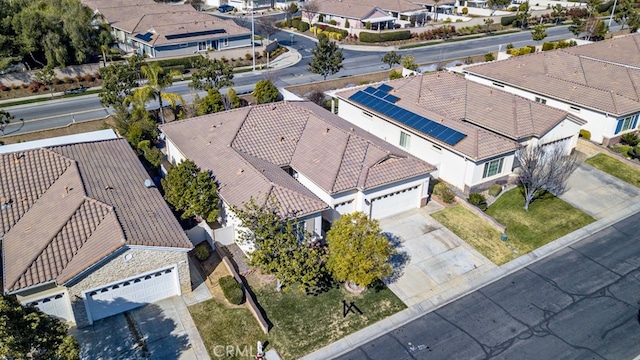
(157, 81)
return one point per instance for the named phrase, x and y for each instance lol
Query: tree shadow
(399, 260)
(142, 333)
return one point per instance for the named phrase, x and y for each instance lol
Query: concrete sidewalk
(615, 213)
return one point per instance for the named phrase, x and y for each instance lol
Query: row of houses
(86, 235)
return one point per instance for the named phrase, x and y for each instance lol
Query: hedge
(548, 46)
(231, 289)
(508, 20)
(586, 134)
(368, 37)
(495, 190)
(187, 62)
(303, 26)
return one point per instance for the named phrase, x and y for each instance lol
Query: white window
(493, 167)
(405, 139)
(184, 45)
(574, 108)
(437, 148)
(541, 100)
(626, 123)
(225, 42)
(498, 84)
(367, 114)
(202, 46)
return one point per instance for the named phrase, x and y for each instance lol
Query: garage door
(564, 143)
(346, 207)
(396, 202)
(131, 293)
(57, 305)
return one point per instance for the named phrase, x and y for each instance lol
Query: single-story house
(85, 234)
(316, 165)
(599, 82)
(163, 30)
(468, 130)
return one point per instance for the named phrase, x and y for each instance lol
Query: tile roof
(574, 76)
(361, 8)
(493, 120)
(67, 207)
(623, 50)
(246, 149)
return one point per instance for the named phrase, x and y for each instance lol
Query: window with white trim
(367, 114)
(541, 100)
(627, 123)
(405, 139)
(492, 168)
(574, 108)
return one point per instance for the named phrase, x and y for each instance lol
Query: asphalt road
(580, 303)
(55, 113)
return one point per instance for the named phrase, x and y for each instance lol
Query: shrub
(68, 80)
(478, 200)
(248, 56)
(3, 87)
(465, 11)
(346, 23)
(332, 22)
(231, 289)
(442, 190)
(634, 152)
(57, 81)
(381, 37)
(510, 46)
(42, 88)
(495, 190)
(548, 46)
(508, 20)
(630, 139)
(586, 134)
(303, 26)
(489, 57)
(79, 78)
(88, 78)
(295, 23)
(202, 252)
(393, 74)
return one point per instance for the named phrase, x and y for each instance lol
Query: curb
(621, 212)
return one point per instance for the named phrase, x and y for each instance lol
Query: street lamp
(253, 33)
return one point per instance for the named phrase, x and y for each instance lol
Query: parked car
(77, 90)
(225, 8)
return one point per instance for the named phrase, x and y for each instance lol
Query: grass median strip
(615, 168)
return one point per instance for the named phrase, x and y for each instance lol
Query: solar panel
(144, 37)
(195, 33)
(385, 104)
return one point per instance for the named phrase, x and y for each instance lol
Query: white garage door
(395, 202)
(346, 207)
(131, 293)
(57, 305)
(564, 143)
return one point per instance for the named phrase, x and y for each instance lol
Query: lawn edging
(483, 215)
(253, 306)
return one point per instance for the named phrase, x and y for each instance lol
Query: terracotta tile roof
(493, 120)
(577, 79)
(67, 207)
(359, 9)
(622, 50)
(246, 149)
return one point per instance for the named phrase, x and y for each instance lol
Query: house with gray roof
(84, 234)
(162, 30)
(469, 131)
(316, 165)
(599, 82)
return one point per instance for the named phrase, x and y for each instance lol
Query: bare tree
(544, 168)
(266, 27)
(310, 9)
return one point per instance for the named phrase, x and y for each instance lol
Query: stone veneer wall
(118, 268)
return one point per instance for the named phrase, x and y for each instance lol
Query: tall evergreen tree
(327, 58)
(191, 191)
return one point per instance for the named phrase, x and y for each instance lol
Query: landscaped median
(547, 219)
(615, 167)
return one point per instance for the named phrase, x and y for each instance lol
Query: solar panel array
(195, 33)
(383, 103)
(144, 37)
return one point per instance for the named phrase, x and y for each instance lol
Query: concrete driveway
(162, 330)
(596, 192)
(431, 260)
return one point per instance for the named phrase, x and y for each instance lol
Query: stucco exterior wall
(118, 268)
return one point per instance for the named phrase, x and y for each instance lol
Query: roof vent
(5, 204)
(240, 171)
(352, 129)
(282, 139)
(148, 183)
(326, 131)
(108, 187)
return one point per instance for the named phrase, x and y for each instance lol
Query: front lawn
(477, 233)
(304, 323)
(615, 168)
(547, 219)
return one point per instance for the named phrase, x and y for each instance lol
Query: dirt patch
(212, 270)
(74, 128)
(340, 83)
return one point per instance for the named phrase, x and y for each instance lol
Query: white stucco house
(469, 131)
(316, 165)
(83, 235)
(598, 82)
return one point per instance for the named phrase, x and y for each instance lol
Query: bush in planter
(478, 200)
(442, 190)
(231, 289)
(634, 152)
(630, 139)
(202, 252)
(586, 134)
(495, 190)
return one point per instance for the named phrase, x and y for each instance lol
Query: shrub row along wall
(369, 37)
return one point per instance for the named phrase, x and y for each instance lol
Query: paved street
(579, 303)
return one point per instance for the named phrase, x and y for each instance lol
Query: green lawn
(547, 219)
(304, 323)
(615, 168)
(477, 233)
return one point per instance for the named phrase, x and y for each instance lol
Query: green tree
(489, 57)
(211, 74)
(498, 4)
(234, 99)
(625, 11)
(576, 26)
(327, 58)
(487, 23)
(409, 63)
(391, 58)
(210, 103)
(282, 249)
(558, 12)
(119, 80)
(46, 76)
(151, 153)
(27, 333)
(191, 191)
(524, 14)
(265, 92)
(538, 32)
(5, 120)
(358, 252)
(157, 81)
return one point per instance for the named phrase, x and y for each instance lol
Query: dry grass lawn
(615, 168)
(477, 233)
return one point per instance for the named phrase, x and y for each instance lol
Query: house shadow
(399, 260)
(150, 331)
